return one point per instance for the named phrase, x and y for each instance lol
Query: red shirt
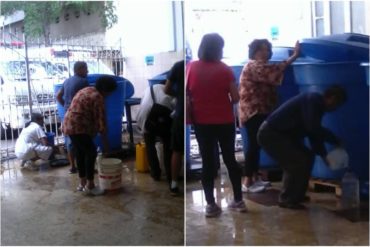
(257, 89)
(208, 88)
(86, 114)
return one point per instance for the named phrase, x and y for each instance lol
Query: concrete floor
(267, 224)
(44, 208)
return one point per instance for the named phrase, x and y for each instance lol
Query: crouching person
(32, 143)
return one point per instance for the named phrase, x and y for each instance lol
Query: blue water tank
(130, 90)
(337, 47)
(350, 122)
(187, 144)
(367, 70)
(159, 79)
(114, 108)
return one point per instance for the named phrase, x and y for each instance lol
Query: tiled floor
(267, 224)
(44, 208)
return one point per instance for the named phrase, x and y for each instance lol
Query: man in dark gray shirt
(65, 95)
(282, 137)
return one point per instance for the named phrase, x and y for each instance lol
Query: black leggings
(85, 152)
(252, 159)
(207, 136)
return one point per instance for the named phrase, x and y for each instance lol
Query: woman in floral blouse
(258, 97)
(84, 119)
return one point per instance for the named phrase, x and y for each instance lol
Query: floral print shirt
(86, 114)
(257, 89)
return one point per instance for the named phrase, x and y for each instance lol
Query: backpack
(159, 118)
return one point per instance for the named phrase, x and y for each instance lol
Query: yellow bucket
(142, 164)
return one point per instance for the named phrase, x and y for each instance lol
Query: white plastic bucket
(110, 173)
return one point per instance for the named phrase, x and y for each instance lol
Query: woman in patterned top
(258, 97)
(84, 119)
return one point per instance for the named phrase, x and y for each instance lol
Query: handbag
(159, 118)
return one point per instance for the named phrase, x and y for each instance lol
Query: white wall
(138, 73)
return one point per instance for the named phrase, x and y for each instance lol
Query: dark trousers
(295, 159)
(151, 151)
(207, 136)
(85, 153)
(252, 159)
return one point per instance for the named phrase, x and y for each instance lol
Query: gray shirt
(70, 87)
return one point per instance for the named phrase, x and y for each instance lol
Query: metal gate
(29, 70)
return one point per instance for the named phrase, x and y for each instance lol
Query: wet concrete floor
(43, 208)
(267, 224)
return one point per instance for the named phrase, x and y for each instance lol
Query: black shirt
(301, 117)
(176, 76)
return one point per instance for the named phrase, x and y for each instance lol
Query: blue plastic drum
(350, 122)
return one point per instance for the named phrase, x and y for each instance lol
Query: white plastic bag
(337, 158)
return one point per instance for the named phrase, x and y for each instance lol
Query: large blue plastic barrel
(367, 70)
(350, 122)
(187, 145)
(337, 47)
(114, 108)
(129, 88)
(158, 79)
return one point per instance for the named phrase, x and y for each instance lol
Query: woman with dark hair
(32, 143)
(258, 97)
(84, 119)
(212, 91)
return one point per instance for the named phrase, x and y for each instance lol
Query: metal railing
(29, 72)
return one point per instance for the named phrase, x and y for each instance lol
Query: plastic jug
(142, 164)
(350, 191)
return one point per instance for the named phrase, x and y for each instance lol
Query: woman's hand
(295, 55)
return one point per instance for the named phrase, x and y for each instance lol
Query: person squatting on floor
(175, 86)
(65, 95)
(32, 143)
(282, 135)
(84, 119)
(258, 97)
(153, 131)
(211, 94)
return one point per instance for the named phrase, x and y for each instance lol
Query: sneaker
(238, 206)
(80, 187)
(260, 182)
(213, 210)
(73, 170)
(255, 188)
(96, 191)
(244, 188)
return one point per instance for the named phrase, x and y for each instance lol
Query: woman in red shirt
(212, 91)
(258, 97)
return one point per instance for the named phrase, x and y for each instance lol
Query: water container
(142, 164)
(187, 146)
(110, 173)
(337, 47)
(158, 79)
(350, 191)
(50, 138)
